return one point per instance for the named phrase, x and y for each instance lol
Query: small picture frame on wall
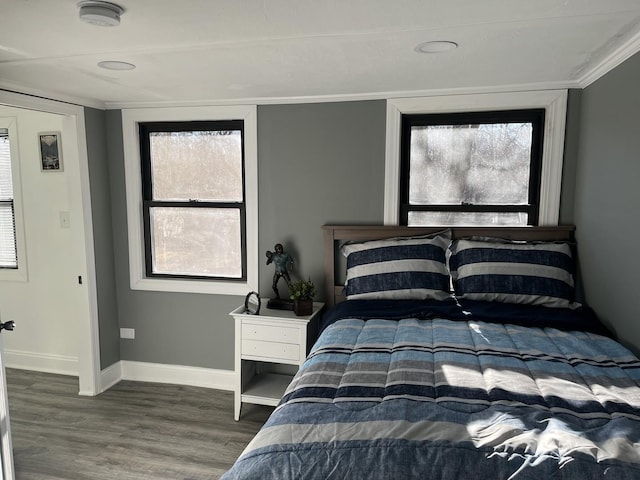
(50, 151)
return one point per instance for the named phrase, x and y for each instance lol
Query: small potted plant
(302, 293)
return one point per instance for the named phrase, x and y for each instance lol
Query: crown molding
(619, 55)
(349, 97)
(32, 92)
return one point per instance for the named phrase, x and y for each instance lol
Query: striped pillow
(513, 272)
(409, 268)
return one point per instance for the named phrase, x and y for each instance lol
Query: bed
(510, 378)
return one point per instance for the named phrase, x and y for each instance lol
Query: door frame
(89, 371)
(7, 467)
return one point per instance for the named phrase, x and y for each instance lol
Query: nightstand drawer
(275, 350)
(270, 333)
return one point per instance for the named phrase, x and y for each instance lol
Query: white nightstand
(273, 336)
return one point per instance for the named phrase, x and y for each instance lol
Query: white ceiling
(264, 51)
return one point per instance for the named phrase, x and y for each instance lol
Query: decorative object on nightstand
(252, 303)
(265, 344)
(283, 263)
(302, 293)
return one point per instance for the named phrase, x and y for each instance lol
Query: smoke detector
(103, 14)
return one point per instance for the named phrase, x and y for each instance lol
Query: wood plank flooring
(134, 431)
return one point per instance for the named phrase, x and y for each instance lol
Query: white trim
(21, 273)
(7, 466)
(177, 375)
(74, 125)
(20, 100)
(347, 97)
(169, 374)
(41, 362)
(555, 103)
(88, 350)
(15, 88)
(552, 159)
(130, 120)
(392, 164)
(110, 376)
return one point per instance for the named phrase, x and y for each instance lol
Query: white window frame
(131, 118)
(16, 274)
(553, 101)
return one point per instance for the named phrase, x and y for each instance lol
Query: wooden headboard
(336, 235)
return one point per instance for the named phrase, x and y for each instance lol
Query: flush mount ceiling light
(116, 65)
(437, 46)
(103, 14)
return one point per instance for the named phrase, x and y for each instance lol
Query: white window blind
(8, 254)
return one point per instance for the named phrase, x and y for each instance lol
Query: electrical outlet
(128, 333)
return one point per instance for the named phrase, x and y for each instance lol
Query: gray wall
(318, 163)
(102, 236)
(608, 196)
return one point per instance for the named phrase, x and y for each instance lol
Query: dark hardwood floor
(135, 430)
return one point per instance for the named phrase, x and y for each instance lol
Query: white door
(7, 471)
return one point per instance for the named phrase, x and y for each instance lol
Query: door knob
(10, 325)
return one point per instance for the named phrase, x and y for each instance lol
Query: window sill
(193, 286)
(12, 275)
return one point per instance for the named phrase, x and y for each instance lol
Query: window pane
(197, 165)
(8, 253)
(480, 164)
(196, 241)
(467, 218)
(6, 183)
(7, 238)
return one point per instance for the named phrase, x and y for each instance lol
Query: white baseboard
(109, 377)
(123, 370)
(42, 362)
(161, 373)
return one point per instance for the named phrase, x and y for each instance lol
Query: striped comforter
(454, 400)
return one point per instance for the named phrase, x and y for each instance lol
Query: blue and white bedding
(397, 390)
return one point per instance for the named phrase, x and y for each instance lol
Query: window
(8, 249)
(191, 182)
(431, 209)
(13, 262)
(193, 191)
(476, 168)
